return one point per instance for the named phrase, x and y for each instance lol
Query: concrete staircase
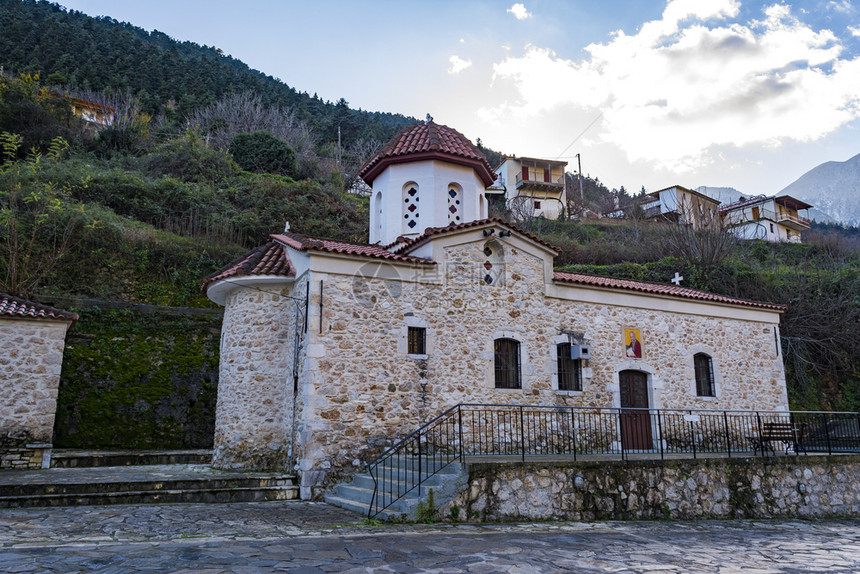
(357, 493)
(86, 479)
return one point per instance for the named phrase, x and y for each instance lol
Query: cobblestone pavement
(304, 537)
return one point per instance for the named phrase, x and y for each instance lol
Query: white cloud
(519, 11)
(458, 64)
(843, 6)
(679, 88)
(855, 30)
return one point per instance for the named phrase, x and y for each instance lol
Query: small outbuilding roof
(427, 141)
(17, 308)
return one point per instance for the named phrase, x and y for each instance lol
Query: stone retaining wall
(774, 487)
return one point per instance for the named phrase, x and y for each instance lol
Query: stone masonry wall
(365, 391)
(774, 487)
(253, 415)
(30, 364)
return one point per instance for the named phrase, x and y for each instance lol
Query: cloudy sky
(739, 93)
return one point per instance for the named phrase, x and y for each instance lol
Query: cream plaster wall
(432, 179)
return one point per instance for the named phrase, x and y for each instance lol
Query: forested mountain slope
(171, 77)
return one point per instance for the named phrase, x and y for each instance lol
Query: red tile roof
(305, 243)
(429, 141)
(431, 231)
(268, 259)
(16, 308)
(658, 289)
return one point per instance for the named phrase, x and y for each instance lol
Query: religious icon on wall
(632, 343)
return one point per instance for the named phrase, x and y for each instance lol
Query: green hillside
(69, 48)
(139, 212)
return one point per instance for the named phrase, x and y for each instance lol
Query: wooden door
(635, 424)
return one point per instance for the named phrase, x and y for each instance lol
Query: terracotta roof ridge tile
(658, 289)
(429, 140)
(430, 231)
(304, 243)
(268, 259)
(19, 308)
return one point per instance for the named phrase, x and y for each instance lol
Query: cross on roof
(677, 279)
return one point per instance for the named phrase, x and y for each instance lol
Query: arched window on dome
(410, 208)
(455, 207)
(377, 210)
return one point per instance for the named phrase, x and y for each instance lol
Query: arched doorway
(635, 423)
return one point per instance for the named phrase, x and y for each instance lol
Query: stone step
(141, 484)
(79, 458)
(210, 495)
(358, 508)
(366, 480)
(357, 494)
(412, 463)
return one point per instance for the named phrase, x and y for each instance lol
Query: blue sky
(738, 93)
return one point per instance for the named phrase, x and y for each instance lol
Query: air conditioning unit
(580, 352)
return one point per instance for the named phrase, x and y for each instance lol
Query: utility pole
(338, 146)
(579, 167)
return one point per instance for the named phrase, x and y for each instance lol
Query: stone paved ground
(311, 537)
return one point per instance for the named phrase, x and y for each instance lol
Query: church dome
(429, 141)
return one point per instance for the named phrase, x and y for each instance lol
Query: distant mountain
(832, 187)
(725, 195)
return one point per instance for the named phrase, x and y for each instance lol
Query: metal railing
(486, 432)
(558, 181)
(783, 215)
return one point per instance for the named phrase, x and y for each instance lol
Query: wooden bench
(789, 434)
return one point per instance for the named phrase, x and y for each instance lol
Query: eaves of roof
(659, 289)
(430, 232)
(16, 308)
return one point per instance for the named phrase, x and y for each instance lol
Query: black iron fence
(475, 432)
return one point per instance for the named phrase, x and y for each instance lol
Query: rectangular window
(704, 375)
(417, 341)
(537, 205)
(507, 363)
(569, 370)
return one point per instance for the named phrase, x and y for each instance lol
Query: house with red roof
(331, 350)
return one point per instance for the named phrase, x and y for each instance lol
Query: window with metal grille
(704, 368)
(417, 341)
(507, 359)
(569, 370)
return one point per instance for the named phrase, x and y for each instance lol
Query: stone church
(331, 350)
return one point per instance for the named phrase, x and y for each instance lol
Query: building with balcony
(531, 187)
(681, 205)
(776, 219)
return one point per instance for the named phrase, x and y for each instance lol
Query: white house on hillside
(681, 205)
(531, 187)
(780, 218)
